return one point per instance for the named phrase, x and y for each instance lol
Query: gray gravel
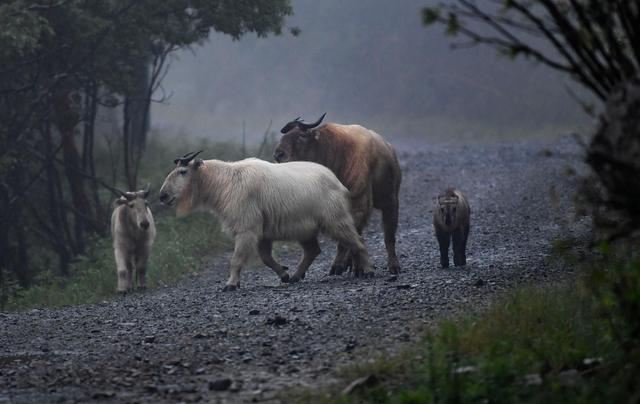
(191, 342)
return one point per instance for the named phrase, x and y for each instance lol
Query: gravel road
(191, 342)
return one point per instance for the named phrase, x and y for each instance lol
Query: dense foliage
(66, 65)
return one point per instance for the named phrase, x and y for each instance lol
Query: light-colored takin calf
(133, 231)
(363, 161)
(259, 202)
(451, 216)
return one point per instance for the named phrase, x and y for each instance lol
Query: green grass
(544, 332)
(181, 246)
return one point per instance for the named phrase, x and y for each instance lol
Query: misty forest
(333, 201)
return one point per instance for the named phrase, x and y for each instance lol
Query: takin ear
(197, 163)
(121, 201)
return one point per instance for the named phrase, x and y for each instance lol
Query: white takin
(133, 231)
(259, 202)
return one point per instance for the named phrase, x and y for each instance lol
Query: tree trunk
(56, 211)
(126, 145)
(66, 117)
(88, 163)
(17, 257)
(139, 114)
(136, 123)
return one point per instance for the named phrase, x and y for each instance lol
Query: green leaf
(295, 31)
(453, 24)
(430, 15)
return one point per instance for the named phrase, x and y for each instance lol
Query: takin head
(447, 205)
(176, 186)
(297, 142)
(137, 207)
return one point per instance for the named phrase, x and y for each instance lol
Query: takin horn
(186, 159)
(145, 192)
(128, 195)
(299, 124)
(307, 126)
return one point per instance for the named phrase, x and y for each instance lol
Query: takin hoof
(394, 269)
(296, 278)
(363, 274)
(229, 288)
(337, 270)
(285, 278)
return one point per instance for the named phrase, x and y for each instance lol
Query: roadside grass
(181, 246)
(535, 344)
(182, 243)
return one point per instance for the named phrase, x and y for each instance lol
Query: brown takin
(363, 161)
(133, 231)
(451, 216)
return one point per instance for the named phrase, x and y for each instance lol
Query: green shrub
(529, 346)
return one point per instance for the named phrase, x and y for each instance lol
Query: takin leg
(390, 226)
(340, 264)
(459, 245)
(360, 211)
(124, 270)
(142, 259)
(264, 249)
(385, 189)
(311, 250)
(245, 245)
(345, 233)
(443, 241)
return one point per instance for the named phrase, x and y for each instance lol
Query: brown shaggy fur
(451, 222)
(365, 163)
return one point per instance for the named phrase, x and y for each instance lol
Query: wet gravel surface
(191, 342)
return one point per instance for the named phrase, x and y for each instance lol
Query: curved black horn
(297, 123)
(186, 159)
(307, 126)
(290, 125)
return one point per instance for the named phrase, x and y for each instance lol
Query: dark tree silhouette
(60, 62)
(596, 42)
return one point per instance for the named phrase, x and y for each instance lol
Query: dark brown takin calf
(451, 221)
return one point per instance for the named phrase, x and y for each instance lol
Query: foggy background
(372, 63)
